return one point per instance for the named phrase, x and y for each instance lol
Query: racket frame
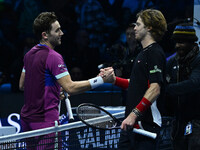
(98, 107)
(138, 131)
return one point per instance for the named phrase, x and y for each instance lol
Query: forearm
(76, 87)
(21, 81)
(149, 97)
(184, 87)
(153, 92)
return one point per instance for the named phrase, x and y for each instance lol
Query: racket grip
(145, 133)
(59, 106)
(69, 108)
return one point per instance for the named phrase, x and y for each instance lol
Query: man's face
(54, 37)
(183, 48)
(130, 35)
(140, 30)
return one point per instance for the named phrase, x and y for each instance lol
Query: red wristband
(143, 105)
(123, 83)
(136, 126)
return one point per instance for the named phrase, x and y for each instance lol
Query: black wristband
(136, 112)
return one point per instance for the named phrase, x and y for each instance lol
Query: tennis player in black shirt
(145, 86)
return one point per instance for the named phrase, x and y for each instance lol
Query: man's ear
(44, 35)
(149, 28)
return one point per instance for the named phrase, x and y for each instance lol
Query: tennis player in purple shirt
(44, 74)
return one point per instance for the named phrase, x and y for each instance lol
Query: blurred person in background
(91, 17)
(183, 90)
(79, 54)
(121, 56)
(76, 74)
(8, 43)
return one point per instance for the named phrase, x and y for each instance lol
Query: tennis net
(71, 136)
(75, 136)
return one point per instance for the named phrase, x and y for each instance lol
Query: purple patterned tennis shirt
(43, 66)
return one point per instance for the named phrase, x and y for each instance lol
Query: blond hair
(155, 20)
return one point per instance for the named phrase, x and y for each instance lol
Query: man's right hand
(108, 75)
(129, 121)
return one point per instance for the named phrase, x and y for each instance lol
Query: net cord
(59, 128)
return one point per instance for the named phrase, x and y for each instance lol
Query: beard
(55, 42)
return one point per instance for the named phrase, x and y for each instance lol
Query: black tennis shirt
(149, 67)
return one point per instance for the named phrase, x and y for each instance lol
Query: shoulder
(196, 61)
(54, 58)
(156, 51)
(53, 54)
(157, 48)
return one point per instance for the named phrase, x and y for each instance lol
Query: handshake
(108, 75)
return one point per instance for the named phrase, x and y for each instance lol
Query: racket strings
(90, 115)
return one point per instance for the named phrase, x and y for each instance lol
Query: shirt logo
(60, 65)
(156, 69)
(95, 81)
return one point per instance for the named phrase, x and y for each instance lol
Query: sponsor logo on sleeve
(156, 69)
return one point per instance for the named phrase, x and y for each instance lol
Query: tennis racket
(68, 107)
(97, 117)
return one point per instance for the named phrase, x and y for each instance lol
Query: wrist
(136, 112)
(114, 80)
(95, 82)
(123, 83)
(143, 105)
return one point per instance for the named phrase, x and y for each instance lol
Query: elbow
(157, 92)
(70, 92)
(70, 89)
(21, 88)
(156, 89)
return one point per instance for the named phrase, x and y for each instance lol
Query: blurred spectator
(79, 54)
(65, 10)
(121, 17)
(25, 44)
(76, 74)
(122, 55)
(138, 5)
(92, 18)
(182, 92)
(8, 42)
(132, 48)
(31, 8)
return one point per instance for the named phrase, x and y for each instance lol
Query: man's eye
(137, 24)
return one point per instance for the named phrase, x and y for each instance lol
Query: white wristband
(95, 82)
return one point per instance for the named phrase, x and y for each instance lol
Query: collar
(149, 46)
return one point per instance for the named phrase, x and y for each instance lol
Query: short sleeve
(23, 69)
(56, 65)
(156, 66)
